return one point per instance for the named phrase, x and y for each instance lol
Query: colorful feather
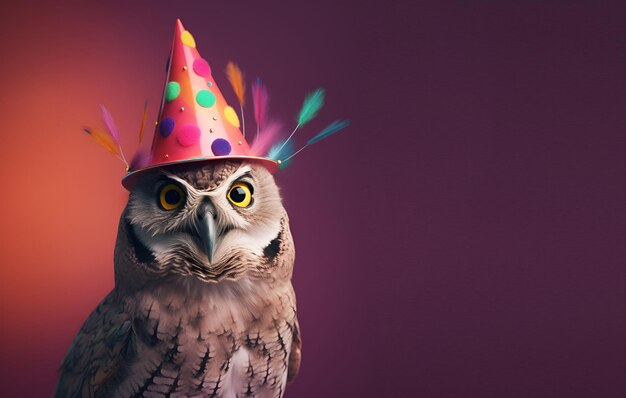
(280, 152)
(265, 138)
(144, 116)
(141, 159)
(260, 99)
(109, 140)
(312, 104)
(235, 77)
(329, 130)
(310, 107)
(110, 124)
(103, 139)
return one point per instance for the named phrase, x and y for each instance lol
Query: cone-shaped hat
(195, 122)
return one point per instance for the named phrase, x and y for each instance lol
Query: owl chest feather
(225, 343)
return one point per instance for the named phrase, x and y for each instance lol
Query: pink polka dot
(201, 67)
(188, 135)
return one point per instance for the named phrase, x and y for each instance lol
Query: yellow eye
(240, 194)
(171, 197)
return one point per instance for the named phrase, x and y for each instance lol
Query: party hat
(195, 122)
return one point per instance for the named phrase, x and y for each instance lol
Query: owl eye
(171, 197)
(240, 194)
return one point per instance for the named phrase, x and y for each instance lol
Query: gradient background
(463, 238)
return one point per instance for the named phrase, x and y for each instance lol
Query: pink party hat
(195, 122)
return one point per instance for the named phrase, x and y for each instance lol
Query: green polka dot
(171, 91)
(205, 98)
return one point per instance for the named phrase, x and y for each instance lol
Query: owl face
(213, 220)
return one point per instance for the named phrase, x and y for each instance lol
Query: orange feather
(235, 77)
(103, 139)
(143, 121)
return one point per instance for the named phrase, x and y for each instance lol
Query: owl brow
(246, 175)
(246, 172)
(179, 180)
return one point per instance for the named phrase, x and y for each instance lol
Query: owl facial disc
(215, 221)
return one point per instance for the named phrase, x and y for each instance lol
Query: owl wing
(295, 355)
(96, 358)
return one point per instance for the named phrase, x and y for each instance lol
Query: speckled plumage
(176, 326)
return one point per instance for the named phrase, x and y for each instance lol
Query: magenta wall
(464, 237)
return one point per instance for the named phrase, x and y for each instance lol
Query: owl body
(203, 303)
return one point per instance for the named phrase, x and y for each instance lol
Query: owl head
(208, 221)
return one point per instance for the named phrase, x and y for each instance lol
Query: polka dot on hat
(201, 67)
(166, 126)
(205, 98)
(231, 116)
(187, 39)
(188, 135)
(171, 91)
(220, 147)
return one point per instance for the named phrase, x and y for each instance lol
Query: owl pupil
(172, 197)
(238, 195)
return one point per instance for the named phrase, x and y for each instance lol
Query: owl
(203, 304)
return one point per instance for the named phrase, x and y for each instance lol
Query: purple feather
(111, 127)
(261, 99)
(141, 159)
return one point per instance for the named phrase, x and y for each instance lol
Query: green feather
(312, 104)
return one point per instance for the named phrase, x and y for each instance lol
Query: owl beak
(206, 230)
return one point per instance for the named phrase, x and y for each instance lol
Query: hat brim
(131, 178)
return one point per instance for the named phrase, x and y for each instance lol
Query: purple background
(464, 237)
